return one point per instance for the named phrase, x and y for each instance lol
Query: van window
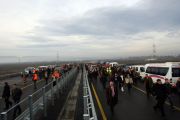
(136, 68)
(157, 70)
(142, 69)
(175, 72)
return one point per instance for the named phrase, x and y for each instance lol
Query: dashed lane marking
(167, 103)
(31, 84)
(139, 89)
(99, 103)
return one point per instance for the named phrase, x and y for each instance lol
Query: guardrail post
(57, 85)
(63, 84)
(3, 116)
(86, 116)
(60, 84)
(30, 107)
(52, 94)
(44, 102)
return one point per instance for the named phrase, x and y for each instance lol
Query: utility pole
(154, 50)
(57, 57)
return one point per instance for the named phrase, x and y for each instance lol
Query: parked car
(29, 70)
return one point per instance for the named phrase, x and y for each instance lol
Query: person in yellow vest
(35, 78)
(109, 71)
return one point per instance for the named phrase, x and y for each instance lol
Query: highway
(27, 88)
(11, 81)
(134, 106)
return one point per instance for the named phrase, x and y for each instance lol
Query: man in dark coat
(112, 95)
(148, 85)
(178, 88)
(16, 95)
(160, 92)
(169, 92)
(6, 95)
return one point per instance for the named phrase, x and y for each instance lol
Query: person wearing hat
(160, 92)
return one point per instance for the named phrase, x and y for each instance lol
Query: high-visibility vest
(35, 77)
(109, 70)
(56, 74)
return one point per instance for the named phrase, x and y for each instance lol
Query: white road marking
(31, 84)
(167, 103)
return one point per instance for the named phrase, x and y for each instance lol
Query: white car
(29, 69)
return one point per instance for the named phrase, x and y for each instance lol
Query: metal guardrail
(40, 99)
(89, 108)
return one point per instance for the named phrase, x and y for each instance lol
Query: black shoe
(155, 108)
(10, 104)
(173, 109)
(163, 115)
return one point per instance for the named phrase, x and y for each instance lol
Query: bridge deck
(134, 106)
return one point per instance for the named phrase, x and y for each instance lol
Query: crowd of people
(115, 79)
(14, 92)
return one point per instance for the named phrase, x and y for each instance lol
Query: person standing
(178, 88)
(121, 84)
(56, 75)
(169, 92)
(40, 73)
(46, 76)
(160, 92)
(129, 83)
(104, 78)
(35, 78)
(112, 95)
(148, 85)
(49, 72)
(16, 95)
(116, 79)
(24, 77)
(6, 95)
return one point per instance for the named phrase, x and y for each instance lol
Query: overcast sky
(89, 28)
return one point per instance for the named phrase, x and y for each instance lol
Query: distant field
(14, 68)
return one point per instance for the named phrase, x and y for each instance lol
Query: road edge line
(99, 103)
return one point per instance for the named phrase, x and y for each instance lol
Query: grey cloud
(37, 38)
(161, 15)
(173, 34)
(43, 45)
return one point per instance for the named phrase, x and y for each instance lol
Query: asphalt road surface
(27, 88)
(134, 106)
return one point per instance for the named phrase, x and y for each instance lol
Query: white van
(169, 70)
(140, 69)
(113, 64)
